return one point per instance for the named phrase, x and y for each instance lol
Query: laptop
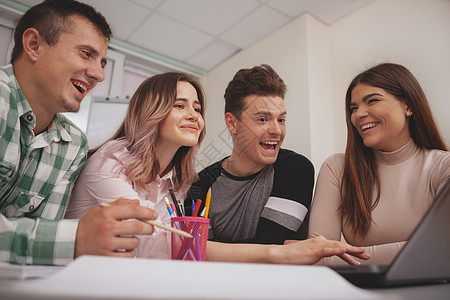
(424, 259)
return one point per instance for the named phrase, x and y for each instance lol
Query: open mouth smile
(79, 86)
(368, 126)
(269, 145)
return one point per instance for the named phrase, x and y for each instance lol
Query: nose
(192, 114)
(361, 112)
(274, 128)
(96, 72)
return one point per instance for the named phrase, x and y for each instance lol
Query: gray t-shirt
(242, 194)
(266, 207)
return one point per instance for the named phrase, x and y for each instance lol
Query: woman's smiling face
(379, 118)
(183, 125)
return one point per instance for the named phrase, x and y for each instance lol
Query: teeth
(270, 143)
(367, 126)
(81, 87)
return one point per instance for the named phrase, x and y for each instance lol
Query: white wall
(300, 53)
(5, 40)
(317, 62)
(321, 112)
(289, 59)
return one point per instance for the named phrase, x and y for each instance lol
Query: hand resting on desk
(314, 250)
(305, 252)
(102, 232)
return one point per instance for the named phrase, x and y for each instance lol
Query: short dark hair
(51, 18)
(260, 80)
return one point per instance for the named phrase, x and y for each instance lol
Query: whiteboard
(105, 117)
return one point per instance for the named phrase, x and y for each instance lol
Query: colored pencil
(178, 205)
(207, 202)
(197, 207)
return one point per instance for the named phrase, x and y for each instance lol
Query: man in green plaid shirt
(58, 57)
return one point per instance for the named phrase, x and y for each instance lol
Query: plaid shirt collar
(56, 130)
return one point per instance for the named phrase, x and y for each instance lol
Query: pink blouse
(102, 180)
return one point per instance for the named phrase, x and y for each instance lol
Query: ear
(231, 122)
(408, 112)
(32, 41)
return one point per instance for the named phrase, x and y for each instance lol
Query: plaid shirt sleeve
(42, 236)
(37, 241)
(36, 180)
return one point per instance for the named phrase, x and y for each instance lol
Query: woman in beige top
(394, 163)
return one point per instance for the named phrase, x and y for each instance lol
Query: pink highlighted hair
(150, 104)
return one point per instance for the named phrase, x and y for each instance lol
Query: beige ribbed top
(410, 178)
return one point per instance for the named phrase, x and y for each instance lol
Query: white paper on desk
(123, 278)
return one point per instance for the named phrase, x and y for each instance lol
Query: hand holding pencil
(102, 232)
(160, 225)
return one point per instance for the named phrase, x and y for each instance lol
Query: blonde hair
(149, 106)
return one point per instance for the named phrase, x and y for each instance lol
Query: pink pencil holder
(184, 248)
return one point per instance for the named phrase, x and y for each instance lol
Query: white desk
(119, 278)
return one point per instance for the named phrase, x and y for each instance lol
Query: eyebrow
(365, 98)
(370, 96)
(196, 101)
(268, 113)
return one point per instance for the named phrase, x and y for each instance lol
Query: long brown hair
(149, 106)
(361, 178)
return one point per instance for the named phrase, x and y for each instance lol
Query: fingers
(349, 259)
(120, 253)
(364, 255)
(110, 220)
(130, 209)
(352, 249)
(122, 201)
(123, 210)
(343, 250)
(339, 251)
(135, 227)
(330, 251)
(110, 230)
(337, 244)
(111, 245)
(358, 252)
(123, 244)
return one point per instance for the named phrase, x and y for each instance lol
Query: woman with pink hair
(152, 151)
